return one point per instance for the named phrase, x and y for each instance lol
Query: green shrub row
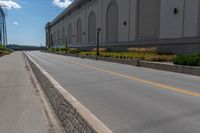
(188, 60)
(67, 50)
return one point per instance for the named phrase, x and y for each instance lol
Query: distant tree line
(16, 47)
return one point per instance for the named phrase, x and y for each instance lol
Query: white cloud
(15, 23)
(9, 4)
(62, 3)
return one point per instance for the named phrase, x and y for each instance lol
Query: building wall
(191, 18)
(148, 19)
(182, 24)
(130, 21)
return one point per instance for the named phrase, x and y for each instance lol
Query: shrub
(74, 51)
(189, 60)
(142, 50)
(50, 50)
(161, 58)
(100, 50)
(4, 48)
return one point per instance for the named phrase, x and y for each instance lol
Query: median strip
(74, 117)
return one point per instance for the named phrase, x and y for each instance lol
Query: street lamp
(66, 46)
(97, 47)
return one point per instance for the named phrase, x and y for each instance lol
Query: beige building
(170, 25)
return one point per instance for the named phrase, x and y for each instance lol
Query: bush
(142, 50)
(161, 58)
(57, 50)
(3, 48)
(74, 51)
(100, 50)
(63, 49)
(189, 60)
(50, 50)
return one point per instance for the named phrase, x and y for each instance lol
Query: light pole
(66, 46)
(97, 47)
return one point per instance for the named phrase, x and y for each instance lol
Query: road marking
(161, 86)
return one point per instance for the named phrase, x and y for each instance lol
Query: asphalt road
(129, 99)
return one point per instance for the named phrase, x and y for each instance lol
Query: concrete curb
(191, 70)
(74, 117)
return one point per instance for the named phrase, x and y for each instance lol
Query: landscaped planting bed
(147, 54)
(128, 55)
(188, 60)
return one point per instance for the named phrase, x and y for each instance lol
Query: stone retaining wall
(74, 117)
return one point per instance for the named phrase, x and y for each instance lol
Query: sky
(26, 19)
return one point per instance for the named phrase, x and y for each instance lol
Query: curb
(74, 117)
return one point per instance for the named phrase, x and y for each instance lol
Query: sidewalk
(21, 110)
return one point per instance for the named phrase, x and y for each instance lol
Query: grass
(4, 50)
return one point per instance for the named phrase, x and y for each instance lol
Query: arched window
(79, 31)
(92, 28)
(70, 36)
(112, 22)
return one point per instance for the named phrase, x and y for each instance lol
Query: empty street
(128, 99)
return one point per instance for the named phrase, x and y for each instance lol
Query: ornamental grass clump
(100, 50)
(143, 50)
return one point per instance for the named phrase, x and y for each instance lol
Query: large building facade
(169, 25)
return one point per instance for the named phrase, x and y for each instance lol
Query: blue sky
(26, 19)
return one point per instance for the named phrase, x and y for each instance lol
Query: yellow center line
(161, 86)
